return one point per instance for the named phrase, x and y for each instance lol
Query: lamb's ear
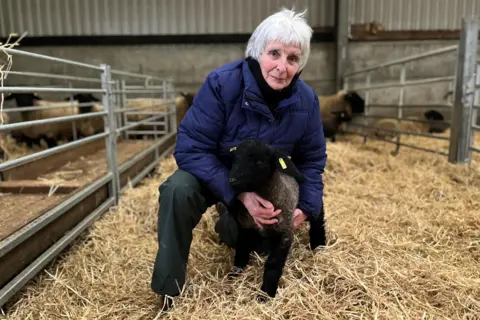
(286, 165)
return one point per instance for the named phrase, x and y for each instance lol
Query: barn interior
(79, 213)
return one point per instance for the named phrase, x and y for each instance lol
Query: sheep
(49, 132)
(90, 126)
(258, 167)
(435, 125)
(338, 108)
(182, 104)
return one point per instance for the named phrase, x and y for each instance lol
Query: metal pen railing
(463, 114)
(114, 86)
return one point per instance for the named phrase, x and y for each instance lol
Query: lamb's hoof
(234, 272)
(316, 245)
(262, 298)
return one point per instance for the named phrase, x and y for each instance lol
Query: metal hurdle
(464, 112)
(112, 85)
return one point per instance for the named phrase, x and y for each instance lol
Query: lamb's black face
(23, 99)
(252, 166)
(84, 97)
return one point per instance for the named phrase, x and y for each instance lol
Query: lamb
(339, 108)
(258, 167)
(435, 125)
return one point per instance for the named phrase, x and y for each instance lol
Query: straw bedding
(404, 237)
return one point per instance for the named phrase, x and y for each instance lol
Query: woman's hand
(261, 210)
(298, 218)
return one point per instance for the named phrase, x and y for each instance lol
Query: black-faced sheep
(435, 124)
(51, 133)
(272, 175)
(339, 108)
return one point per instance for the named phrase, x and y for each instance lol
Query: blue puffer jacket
(227, 109)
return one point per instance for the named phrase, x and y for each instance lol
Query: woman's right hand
(261, 210)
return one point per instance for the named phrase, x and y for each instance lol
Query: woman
(259, 97)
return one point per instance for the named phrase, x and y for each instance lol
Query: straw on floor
(404, 243)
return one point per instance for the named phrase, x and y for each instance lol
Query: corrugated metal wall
(160, 17)
(146, 17)
(413, 14)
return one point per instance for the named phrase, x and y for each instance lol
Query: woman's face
(279, 64)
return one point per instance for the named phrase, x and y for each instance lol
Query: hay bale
(404, 243)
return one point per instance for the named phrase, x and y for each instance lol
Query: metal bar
(160, 123)
(142, 87)
(406, 84)
(464, 92)
(476, 106)
(135, 124)
(368, 80)
(138, 91)
(473, 116)
(402, 119)
(74, 127)
(403, 60)
(341, 26)
(403, 79)
(128, 164)
(404, 144)
(173, 114)
(148, 112)
(131, 109)
(38, 264)
(147, 132)
(412, 106)
(136, 75)
(68, 104)
(42, 154)
(473, 148)
(111, 138)
(41, 56)
(410, 133)
(9, 243)
(122, 104)
(140, 176)
(24, 124)
(51, 76)
(46, 89)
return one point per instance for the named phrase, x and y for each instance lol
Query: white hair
(285, 26)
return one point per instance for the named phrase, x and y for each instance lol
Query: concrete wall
(189, 64)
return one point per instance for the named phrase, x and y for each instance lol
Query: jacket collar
(252, 96)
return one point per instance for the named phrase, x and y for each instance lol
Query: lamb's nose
(232, 180)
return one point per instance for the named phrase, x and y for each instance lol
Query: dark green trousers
(183, 200)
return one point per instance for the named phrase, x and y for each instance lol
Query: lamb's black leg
(244, 246)
(51, 143)
(317, 231)
(279, 248)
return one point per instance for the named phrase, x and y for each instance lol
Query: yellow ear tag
(282, 163)
(233, 148)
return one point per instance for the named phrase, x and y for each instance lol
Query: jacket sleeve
(197, 139)
(309, 155)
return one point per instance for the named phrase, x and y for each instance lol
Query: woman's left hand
(298, 218)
